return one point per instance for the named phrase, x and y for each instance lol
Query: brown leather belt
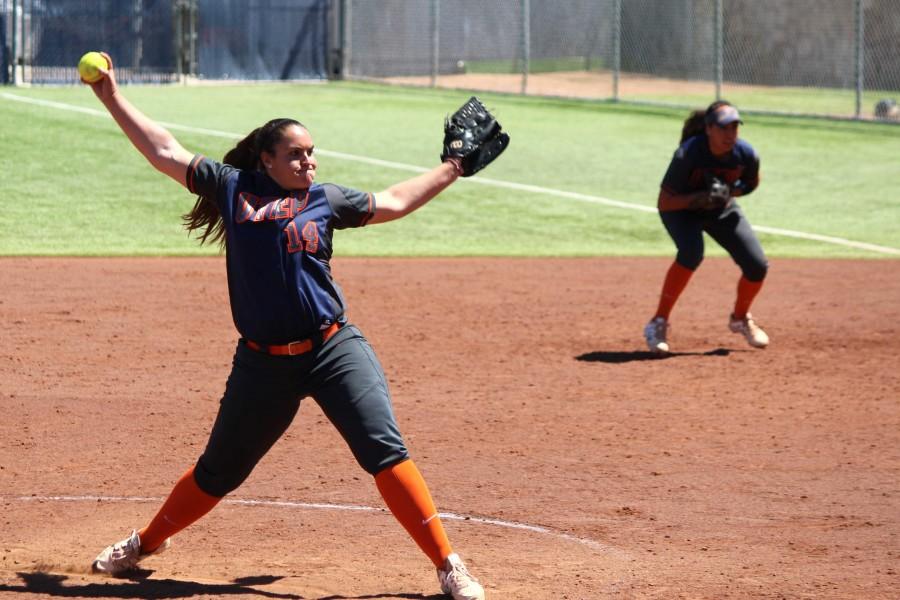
(295, 348)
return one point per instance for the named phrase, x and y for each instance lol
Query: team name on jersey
(255, 209)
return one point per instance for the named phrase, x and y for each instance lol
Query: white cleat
(752, 332)
(655, 333)
(456, 580)
(123, 556)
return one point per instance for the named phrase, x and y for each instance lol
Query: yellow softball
(89, 65)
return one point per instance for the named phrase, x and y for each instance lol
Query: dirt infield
(575, 466)
(571, 84)
(599, 85)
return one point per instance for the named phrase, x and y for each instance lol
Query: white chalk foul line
(481, 180)
(593, 544)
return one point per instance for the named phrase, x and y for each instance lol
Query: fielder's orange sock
(676, 280)
(405, 493)
(746, 292)
(185, 504)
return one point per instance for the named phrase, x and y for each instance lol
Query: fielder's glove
(473, 138)
(719, 194)
(716, 197)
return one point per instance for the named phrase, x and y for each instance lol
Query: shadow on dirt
(139, 586)
(624, 357)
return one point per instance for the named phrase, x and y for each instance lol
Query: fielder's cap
(724, 115)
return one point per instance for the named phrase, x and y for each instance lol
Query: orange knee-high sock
(408, 498)
(185, 504)
(676, 280)
(746, 292)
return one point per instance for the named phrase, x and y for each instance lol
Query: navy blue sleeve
(351, 208)
(750, 175)
(677, 178)
(206, 177)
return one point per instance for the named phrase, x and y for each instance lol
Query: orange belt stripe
(293, 348)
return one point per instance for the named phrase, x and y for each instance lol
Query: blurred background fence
(823, 57)
(161, 41)
(826, 57)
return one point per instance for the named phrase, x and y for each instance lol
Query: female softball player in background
(276, 225)
(709, 169)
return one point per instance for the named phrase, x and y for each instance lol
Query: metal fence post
(435, 41)
(348, 35)
(336, 61)
(137, 26)
(185, 39)
(526, 43)
(178, 23)
(23, 41)
(860, 56)
(14, 47)
(194, 64)
(719, 42)
(617, 47)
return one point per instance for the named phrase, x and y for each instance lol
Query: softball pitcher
(711, 168)
(276, 225)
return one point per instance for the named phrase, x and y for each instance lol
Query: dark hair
(245, 155)
(695, 124)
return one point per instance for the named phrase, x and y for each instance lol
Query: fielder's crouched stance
(276, 226)
(711, 167)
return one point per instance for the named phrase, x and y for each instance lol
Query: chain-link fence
(159, 41)
(823, 57)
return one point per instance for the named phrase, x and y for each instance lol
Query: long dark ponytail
(695, 124)
(204, 218)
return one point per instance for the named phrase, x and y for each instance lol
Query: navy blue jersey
(693, 166)
(278, 246)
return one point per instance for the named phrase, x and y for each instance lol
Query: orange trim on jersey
(310, 235)
(302, 200)
(294, 243)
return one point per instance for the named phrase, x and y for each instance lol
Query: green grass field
(75, 186)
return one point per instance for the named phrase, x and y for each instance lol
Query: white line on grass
(481, 180)
(341, 507)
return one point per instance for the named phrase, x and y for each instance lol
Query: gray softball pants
(263, 394)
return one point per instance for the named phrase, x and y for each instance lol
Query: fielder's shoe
(755, 336)
(123, 556)
(457, 581)
(655, 334)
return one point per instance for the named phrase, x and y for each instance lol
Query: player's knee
(756, 271)
(218, 483)
(375, 465)
(689, 260)
(385, 465)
